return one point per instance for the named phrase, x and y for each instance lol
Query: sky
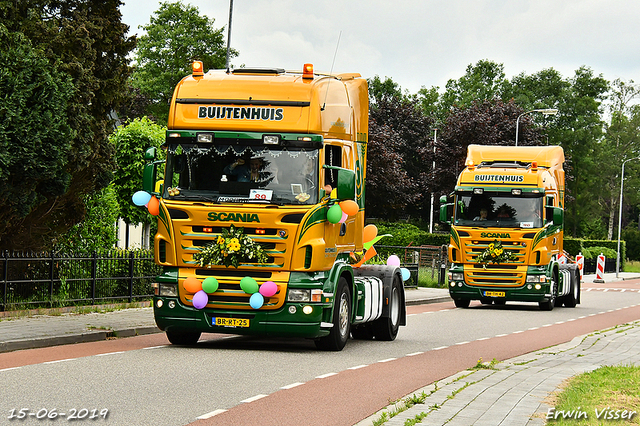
(425, 42)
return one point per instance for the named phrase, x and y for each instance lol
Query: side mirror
(558, 216)
(445, 210)
(149, 177)
(346, 184)
(150, 154)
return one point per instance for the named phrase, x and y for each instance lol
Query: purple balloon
(256, 301)
(200, 299)
(268, 288)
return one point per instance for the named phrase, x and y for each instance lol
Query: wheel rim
(395, 307)
(343, 315)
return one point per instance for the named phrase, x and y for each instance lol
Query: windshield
(501, 210)
(242, 174)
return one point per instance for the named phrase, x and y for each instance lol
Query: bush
(406, 234)
(593, 252)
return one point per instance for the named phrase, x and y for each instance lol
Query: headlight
(299, 295)
(536, 278)
(457, 276)
(170, 290)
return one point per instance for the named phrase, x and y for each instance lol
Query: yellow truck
(261, 211)
(507, 221)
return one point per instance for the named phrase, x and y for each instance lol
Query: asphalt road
(241, 380)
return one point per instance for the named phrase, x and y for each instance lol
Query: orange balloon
(154, 206)
(370, 232)
(192, 285)
(350, 207)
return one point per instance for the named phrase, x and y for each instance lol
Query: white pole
(433, 168)
(229, 33)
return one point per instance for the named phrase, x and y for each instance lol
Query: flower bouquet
(231, 248)
(495, 253)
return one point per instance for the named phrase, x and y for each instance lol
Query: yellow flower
(220, 240)
(499, 252)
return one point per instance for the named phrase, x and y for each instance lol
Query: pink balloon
(200, 299)
(393, 260)
(268, 288)
(344, 217)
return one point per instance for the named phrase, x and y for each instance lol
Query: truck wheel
(339, 333)
(461, 303)
(571, 299)
(183, 338)
(387, 328)
(551, 303)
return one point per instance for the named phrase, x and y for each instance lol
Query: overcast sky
(425, 42)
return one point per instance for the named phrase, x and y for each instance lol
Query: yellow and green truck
(507, 224)
(261, 211)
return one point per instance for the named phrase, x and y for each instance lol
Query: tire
(386, 329)
(362, 332)
(339, 334)
(548, 305)
(461, 303)
(571, 299)
(183, 338)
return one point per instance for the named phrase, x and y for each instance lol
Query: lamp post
(620, 214)
(433, 168)
(546, 111)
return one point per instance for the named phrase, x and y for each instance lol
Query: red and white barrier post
(600, 269)
(580, 262)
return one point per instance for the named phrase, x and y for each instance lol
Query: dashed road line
(211, 414)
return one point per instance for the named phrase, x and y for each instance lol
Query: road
(240, 380)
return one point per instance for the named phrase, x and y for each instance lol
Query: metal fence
(433, 259)
(49, 280)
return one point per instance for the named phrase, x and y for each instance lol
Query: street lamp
(546, 111)
(620, 215)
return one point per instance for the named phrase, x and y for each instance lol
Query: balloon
(350, 207)
(256, 301)
(370, 232)
(192, 285)
(334, 214)
(249, 285)
(154, 206)
(200, 299)
(268, 289)
(141, 198)
(344, 217)
(406, 274)
(210, 285)
(393, 260)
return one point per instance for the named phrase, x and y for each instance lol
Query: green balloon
(249, 285)
(334, 214)
(210, 285)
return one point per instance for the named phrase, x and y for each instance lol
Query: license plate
(494, 293)
(230, 322)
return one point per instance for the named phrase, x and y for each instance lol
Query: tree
(83, 43)
(485, 122)
(483, 81)
(130, 143)
(176, 36)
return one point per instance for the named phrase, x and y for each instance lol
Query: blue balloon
(141, 198)
(406, 274)
(256, 300)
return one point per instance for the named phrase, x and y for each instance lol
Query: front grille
(511, 274)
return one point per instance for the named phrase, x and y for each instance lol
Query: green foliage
(130, 143)
(231, 248)
(176, 36)
(595, 251)
(631, 237)
(406, 234)
(64, 65)
(97, 231)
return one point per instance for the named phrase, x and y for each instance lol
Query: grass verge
(607, 395)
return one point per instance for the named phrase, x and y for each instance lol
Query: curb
(90, 336)
(428, 301)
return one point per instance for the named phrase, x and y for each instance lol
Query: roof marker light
(197, 69)
(307, 71)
